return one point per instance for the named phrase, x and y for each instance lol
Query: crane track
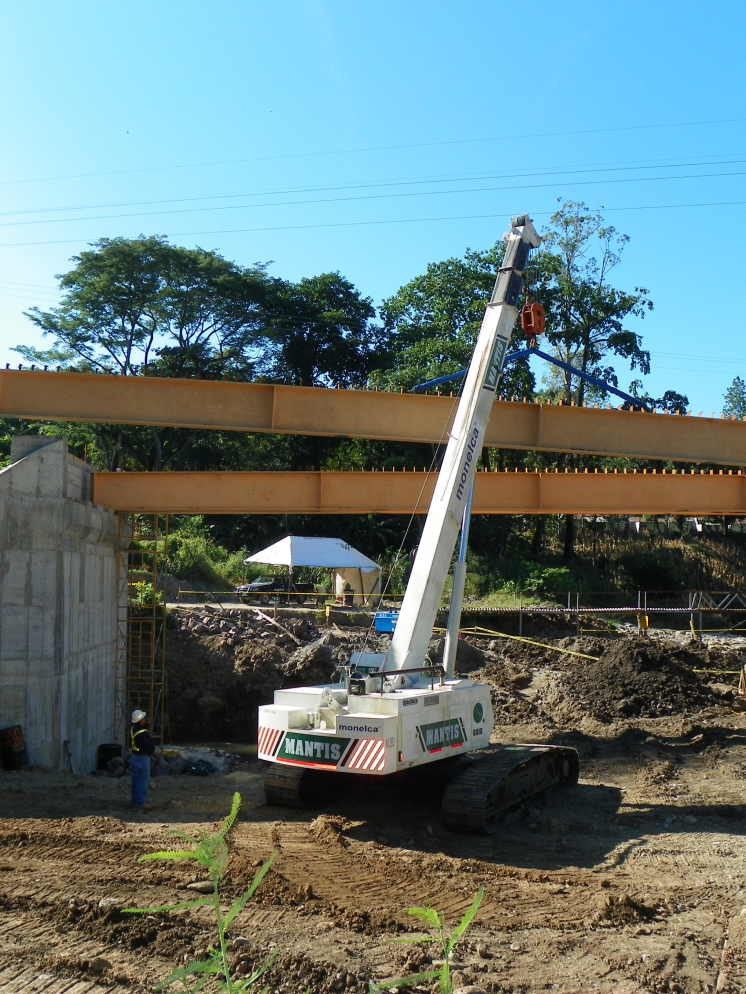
(498, 780)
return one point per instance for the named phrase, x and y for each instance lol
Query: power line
(557, 171)
(377, 196)
(37, 286)
(380, 148)
(407, 220)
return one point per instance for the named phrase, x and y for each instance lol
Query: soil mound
(312, 664)
(469, 657)
(258, 668)
(635, 678)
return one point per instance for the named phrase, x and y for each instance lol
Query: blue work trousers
(140, 773)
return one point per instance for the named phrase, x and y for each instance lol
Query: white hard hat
(138, 715)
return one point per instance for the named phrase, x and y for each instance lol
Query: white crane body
(395, 713)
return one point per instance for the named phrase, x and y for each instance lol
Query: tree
(585, 314)
(129, 304)
(318, 332)
(433, 322)
(143, 306)
(735, 400)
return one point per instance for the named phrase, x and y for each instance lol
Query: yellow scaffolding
(141, 658)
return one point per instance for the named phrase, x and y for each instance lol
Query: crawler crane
(397, 711)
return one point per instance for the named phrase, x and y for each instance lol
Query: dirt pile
(469, 657)
(558, 683)
(234, 626)
(314, 663)
(637, 678)
(223, 664)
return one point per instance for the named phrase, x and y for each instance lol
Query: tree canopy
(130, 304)
(143, 306)
(433, 321)
(735, 399)
(317, 332)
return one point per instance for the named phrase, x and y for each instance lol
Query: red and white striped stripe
(267, 740)
(368, 754)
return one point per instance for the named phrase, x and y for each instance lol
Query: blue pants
(140, 773)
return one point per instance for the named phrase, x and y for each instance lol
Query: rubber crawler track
(498, 780)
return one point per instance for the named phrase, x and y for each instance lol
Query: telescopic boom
(425, 588)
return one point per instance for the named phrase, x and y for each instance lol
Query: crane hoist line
(397, 713)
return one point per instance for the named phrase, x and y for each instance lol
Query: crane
(397, 711)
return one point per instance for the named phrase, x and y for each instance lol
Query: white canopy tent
(351, 568)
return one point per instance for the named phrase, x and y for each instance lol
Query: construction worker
(142, 748)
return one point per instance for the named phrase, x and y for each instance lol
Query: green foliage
(129, 304)
(395, 569)
(643, 570)
(735, 399)
(193, 555)
(318, 332)
(446, 943)
(210, 851)
(548, 581)
(433, 322)
(585, 314)
(143, 595)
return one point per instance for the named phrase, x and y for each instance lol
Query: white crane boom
(425, 587)
(398, 712)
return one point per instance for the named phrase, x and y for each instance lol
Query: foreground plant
(447, 945)
(210, 850)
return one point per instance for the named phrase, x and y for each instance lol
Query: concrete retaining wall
(59, 591)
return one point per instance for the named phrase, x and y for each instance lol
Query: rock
(201, 886)
(162, 768)
(313, 664)
(176, 765)
(109, 902)
(469, 989)
(723, 690)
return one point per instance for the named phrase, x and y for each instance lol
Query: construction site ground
(632, 881)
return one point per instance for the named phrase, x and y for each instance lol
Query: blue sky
(375, 138)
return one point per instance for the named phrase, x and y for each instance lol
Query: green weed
(210, 851)
(447, 944)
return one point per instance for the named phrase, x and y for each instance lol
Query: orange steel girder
(262, 407)
(405, 492)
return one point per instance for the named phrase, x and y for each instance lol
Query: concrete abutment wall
(60, 586)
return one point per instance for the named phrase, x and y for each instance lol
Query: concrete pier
(59, 592)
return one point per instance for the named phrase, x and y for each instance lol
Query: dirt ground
(632, 881)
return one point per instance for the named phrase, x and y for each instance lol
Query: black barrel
(13, 751)
(105, 753)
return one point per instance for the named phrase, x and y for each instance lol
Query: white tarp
(297, 550)
(356, 576)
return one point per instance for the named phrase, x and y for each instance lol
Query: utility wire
(376, 196)
(406, 220)
(558, 171)
(383, 148)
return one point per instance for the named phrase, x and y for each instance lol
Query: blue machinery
(638, 402)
